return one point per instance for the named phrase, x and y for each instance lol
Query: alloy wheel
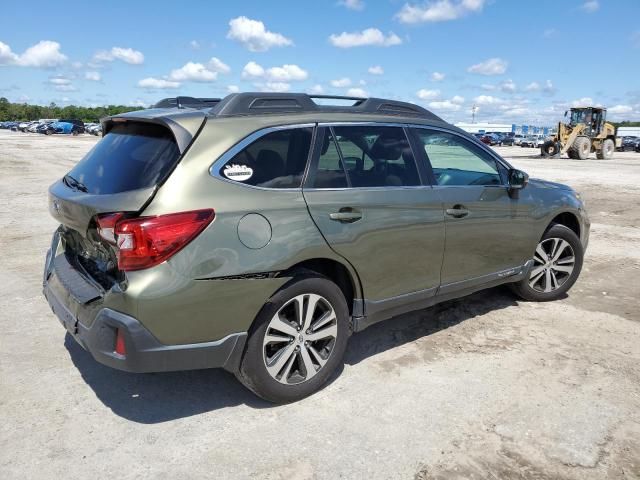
(299, 339)
(553, 264)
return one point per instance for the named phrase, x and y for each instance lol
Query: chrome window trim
(216, 166)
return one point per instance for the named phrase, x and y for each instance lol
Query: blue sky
(511, 59)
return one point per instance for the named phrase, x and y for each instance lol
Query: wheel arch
(345, 278)
(567, 219)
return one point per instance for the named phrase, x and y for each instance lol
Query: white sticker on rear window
(237, 172)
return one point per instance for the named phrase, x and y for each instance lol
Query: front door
(365, 195)
(487, 232)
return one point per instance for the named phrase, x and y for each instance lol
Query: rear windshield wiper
(74, 184)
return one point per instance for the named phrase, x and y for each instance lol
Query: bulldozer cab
(592, 118)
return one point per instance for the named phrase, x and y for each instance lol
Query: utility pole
(473, 113)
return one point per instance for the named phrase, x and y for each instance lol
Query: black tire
(606, 150)
(549, 149)
(253, 371)
(48, 132)
(581, 148)
(523, 288)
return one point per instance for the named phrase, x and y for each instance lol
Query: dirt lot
(485, 387)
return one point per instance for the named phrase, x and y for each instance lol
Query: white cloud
(424, 94)
(93, 76)
(233, 89)
(376, 70)
(437, 76)
(153, 83)
(194, 44)
(591, 6)
(488, 100)
(438, 11)
(620, 109)
(492, 66)
(44, 54)
(367, 37)
(192, 72)
(316, 90)
(127, 55)
(274, 86)
(341, 82)
(549, 88)
(352, 4)
(254, 36)
(59, 80)
(65, 88)
(445, 105)
(508, 86)
(582, 102)
(488, 87)
(217, 65)
(457, 99)
(138, 103)
(357, 92)
(285, 73)
(532, 87)
(252, 70)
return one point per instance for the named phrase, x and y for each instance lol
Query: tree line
(25, 112)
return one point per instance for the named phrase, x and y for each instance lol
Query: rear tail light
(120, 347)
(144, 242)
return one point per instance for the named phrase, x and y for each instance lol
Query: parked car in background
(629, 144)
(529, 141)
(490, 139)
(73, 127)
(244, 235)
(507, 140)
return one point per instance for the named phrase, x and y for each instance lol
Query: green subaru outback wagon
(257, 232)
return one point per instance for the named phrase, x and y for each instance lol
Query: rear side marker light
(120, 348)
(144, 242)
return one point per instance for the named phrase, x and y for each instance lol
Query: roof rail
(261, 103)
(187, 102)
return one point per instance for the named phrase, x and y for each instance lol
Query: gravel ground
(483, 387)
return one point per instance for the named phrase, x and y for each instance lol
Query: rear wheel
(607, 149)
(581, 148)
(557, 262)
(549, 149)
(298, 340)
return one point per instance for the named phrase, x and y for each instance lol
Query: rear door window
(131, 156)
(375, 156)
(275, 160)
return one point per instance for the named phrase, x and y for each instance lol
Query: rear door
(365, 194)
(487, 231)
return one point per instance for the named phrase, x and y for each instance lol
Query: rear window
(275, 160)
(129, 157)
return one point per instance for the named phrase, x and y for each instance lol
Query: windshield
(130, 157)
(580, 116)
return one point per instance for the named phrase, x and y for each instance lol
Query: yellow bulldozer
(586, 132)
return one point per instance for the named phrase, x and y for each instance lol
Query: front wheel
(298, 340)
(557, 262)
(606, 150)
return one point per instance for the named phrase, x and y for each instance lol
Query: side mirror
(517, 179)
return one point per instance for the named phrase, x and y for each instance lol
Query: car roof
(185, 115)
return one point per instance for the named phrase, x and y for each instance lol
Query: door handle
(346, 215)
(458, 211)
